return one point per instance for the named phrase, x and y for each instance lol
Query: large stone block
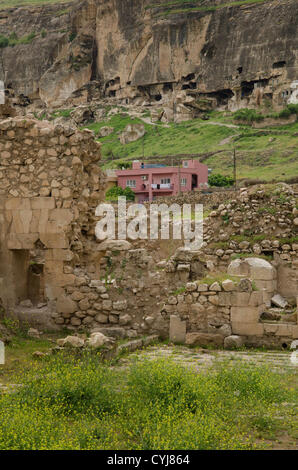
(295, 331)
(256, 298)
(240, 299)
(204, 339)
(66, 305)
(247, 329)
(254, 268)
(21, 241)
(17, 203)
(246, 314)
(54, 240)
(177, 329)
(285, 330)
(42, 203)
(269, 286)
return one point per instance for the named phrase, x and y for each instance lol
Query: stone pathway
(202, 359)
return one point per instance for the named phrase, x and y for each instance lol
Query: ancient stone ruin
(55, 273)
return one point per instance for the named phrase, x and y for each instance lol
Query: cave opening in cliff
(157, 97)
(167, 87)
(189, 86)
(240, 70)
(190, 76)
(246, 89)
(222, 96)
(112, 93)
(280, 64)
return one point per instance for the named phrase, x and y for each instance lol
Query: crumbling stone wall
(225, 313)
(50, 186)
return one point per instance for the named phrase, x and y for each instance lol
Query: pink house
(149, 181)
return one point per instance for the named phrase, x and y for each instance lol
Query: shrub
(4, 42)
(113, 193)
(72, 36)
(220, 180)
(248, 115)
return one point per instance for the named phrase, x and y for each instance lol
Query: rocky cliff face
(150, 50)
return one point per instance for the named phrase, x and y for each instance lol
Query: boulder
(233, 342)
(71, 341)
(98, 340)
(225, 330)
(228, 285)
(131, 133)
(279, 301)
(254, 268)
(105, 131)
(33, 333)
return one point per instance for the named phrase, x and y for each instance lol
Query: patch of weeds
(179, 291)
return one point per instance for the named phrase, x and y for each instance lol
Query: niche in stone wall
(28, 275)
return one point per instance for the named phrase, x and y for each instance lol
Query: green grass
(258, 156)
(171, 8)
(218, 277)
(78, 403)
(19, 3)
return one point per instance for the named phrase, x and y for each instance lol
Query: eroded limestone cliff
(222, 55)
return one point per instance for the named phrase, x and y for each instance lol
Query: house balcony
(162, 186)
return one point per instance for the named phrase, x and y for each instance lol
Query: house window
(183, 181)
(131, 183)
(185, 164)
(144, 177)
(165, 181)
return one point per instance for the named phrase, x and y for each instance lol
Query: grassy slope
(263, 156)
(21, 3)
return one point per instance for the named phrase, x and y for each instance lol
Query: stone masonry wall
(50, 186)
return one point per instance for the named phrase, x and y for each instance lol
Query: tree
(220, 180)
(113, 193)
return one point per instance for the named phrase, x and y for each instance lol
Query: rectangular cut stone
(256, 298)
(246, 314)
(21, 241)
(248, 329)
(240, 299)
(270, 328)
(295, 331)
(270, 286)
(17, 203)
(262, 273)
(43, 203)
(285, 330)
(58, 254)
(54, 240)
(177, 329)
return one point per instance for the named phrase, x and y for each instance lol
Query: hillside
(269, 153)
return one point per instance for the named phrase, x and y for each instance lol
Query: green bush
(113, 193)
(248, 115)
(4, 42)
(220, 180)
